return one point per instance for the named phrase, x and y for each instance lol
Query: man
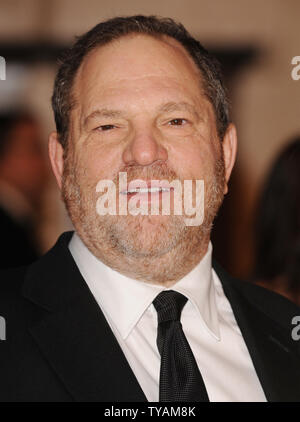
(22, 179)
(129, 307)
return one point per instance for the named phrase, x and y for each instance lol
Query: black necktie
(180, 378)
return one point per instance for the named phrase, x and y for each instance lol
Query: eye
(103, 128)
(177, 122)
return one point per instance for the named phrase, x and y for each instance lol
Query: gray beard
(155, 249)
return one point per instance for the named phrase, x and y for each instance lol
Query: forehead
(136, 59)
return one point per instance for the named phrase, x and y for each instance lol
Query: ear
(229, 145)
(56, 152)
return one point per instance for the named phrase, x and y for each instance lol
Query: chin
(146, 235)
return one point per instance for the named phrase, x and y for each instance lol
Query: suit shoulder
(273, 305)
(11, 281)
(13, 306)
(268, 300)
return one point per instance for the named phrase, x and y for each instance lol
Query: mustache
(155, 171)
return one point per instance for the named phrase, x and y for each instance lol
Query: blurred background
(255, 42)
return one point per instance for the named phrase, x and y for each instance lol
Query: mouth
(145, 190)
(147, 194)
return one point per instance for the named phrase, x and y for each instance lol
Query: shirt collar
(124, 300)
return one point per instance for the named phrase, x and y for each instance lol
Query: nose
(144, 148)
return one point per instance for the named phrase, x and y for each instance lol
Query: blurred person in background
(277, 255)
(22, 179)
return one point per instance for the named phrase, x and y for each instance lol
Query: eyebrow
(173, 106)
(104, 112)
(165, 108)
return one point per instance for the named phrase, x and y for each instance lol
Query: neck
(165, 269)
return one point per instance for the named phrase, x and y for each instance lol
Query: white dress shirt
(207, 320)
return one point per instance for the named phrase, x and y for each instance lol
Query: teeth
(146, 190)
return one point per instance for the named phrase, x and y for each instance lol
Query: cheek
(97, 162)
(195, 159)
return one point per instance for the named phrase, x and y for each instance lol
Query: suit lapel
(74, 336)
(77, 342)
(267, 335)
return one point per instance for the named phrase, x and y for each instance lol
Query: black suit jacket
(59, 346)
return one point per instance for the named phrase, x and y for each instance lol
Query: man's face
(140, 109)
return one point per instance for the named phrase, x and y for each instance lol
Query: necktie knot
(169, 305)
